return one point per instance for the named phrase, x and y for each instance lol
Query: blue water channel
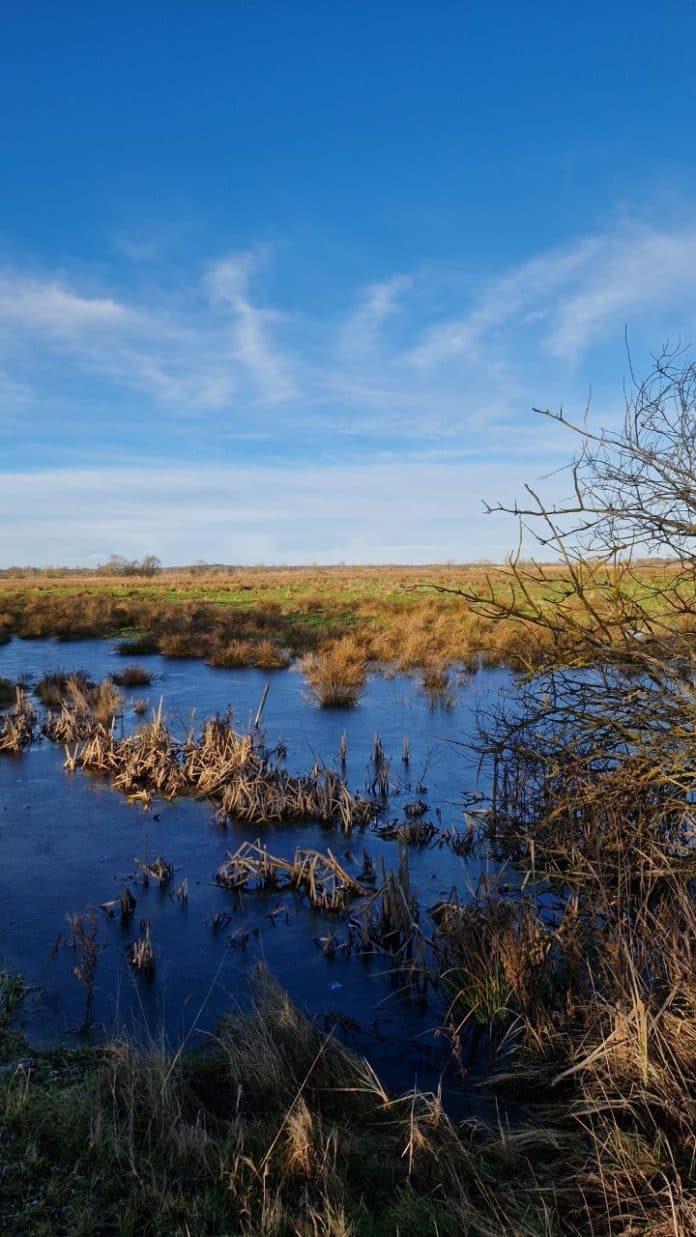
(68, 842)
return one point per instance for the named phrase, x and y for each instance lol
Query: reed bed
(232, 770)
(394, 615)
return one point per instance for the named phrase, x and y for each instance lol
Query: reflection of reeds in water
(438, 688)
(83, 934)
(8, 693)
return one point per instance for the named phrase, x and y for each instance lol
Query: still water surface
(68, 842)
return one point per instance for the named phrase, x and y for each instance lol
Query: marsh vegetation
(571, 958)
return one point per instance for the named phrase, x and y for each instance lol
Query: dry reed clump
(103, 701)
(497, 958)
(86, 708)
(133, 676)
(266, 793)
(159, 870)
(416, 832)
(270, 656)
(264, 654)
(438, 688)
(233, 655)
(53, 689)
(124, 905)
(336, 675)
(144, 763)
(388, 922)
(179, 644)
(237, 772)
(17, 728)
(232, 770)
(320, 878)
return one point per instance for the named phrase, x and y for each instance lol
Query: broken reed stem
(319, 877)
(142, 955)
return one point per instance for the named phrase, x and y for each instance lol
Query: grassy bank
(274, 1128)
(408, 617)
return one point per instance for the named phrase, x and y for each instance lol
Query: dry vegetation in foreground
(275, 1128)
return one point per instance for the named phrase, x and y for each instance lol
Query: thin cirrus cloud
(332, 513)
(177, 357)
(387, 366)
(572, 295)
(215, 346)
(432, 399)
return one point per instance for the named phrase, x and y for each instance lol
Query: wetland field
(332, 902)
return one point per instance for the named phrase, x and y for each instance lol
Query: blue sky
(281, 282)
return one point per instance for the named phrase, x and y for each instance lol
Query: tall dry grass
(410, 617)
(336, 676)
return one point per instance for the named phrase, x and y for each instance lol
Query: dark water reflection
(68, 842)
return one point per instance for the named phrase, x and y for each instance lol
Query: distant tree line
(117, 565)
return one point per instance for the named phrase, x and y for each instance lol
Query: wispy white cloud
(572, 295)
(377, 303)
(637, 270)
(326, 514)
(216, 358)
(138, 250)
(191, 358)
(229, 281)
(50, 309)
(501, 301)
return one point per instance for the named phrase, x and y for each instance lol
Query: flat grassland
(405, 616)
